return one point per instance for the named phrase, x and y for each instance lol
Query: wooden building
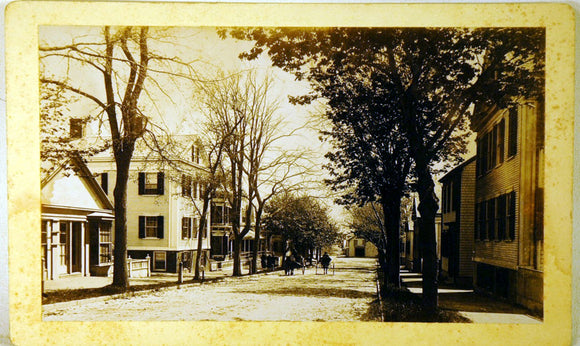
(457, 223)
(508, 250)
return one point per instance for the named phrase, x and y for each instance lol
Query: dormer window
(194, 154)
(76, 128)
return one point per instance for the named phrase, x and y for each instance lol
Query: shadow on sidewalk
(458, 298)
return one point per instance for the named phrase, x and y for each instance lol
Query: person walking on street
(325, 261)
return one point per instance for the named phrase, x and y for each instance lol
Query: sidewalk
(478, 308)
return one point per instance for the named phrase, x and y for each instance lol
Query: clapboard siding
(467, 220)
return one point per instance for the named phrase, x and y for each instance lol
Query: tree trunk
(237, 270)
(120, 277)
(202, 226)
(256, 247)
(427, 238)
(392, 212)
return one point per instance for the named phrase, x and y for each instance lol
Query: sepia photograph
(295, 173)
(292, 174)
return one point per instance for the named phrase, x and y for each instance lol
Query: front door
(76, 248)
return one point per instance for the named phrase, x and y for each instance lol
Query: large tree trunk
(392, 212)
(120, 274)
(237, 270)
(428, 207)
(202, 226)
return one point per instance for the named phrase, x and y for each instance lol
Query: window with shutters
(151, 183)
(490, 149)
(151, 227)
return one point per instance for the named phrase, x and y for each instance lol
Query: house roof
(81, 171)
(456, 169)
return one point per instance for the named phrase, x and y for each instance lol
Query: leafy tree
(56, 143)
(302, 220)
(431, 78)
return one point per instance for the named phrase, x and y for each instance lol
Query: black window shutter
(141, 226)
(160, 227)
(105, 182)
(160, 181)
(183, 185)
(141, 183)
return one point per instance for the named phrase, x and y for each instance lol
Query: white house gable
(70, 190)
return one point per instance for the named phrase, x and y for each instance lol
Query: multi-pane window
(151, 227)
(185, 185)
(490, 149)
(220, 214)
(185, 228)
(490, 232)
(194, 154)
(76, 128)
(479, 220)
(105, 243)
(159, 260)
(500, 217)
(500, 141)
(63, 244)
(495, 218)
(511, 214)
(151, 183)
(513, 132)
(43, 240)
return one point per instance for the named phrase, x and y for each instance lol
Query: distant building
(457, 219)
(509, 202)
(359, 247)
(77, 217)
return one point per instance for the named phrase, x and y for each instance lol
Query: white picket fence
(139, 268)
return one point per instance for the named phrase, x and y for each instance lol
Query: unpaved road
(344, 296)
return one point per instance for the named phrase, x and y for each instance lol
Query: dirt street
(344, 296)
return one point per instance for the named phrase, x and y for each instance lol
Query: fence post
(130, 265)
(148, 265)
(180, 275)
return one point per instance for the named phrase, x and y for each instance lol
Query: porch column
(84, 249)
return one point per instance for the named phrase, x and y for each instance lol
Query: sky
(172, 103)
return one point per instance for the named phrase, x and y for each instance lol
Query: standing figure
(325, 261)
